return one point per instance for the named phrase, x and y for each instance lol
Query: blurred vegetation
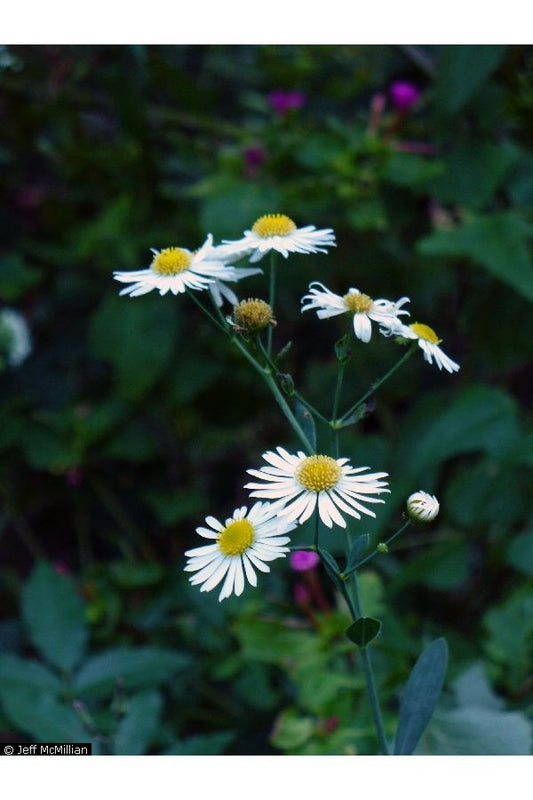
(131, 420)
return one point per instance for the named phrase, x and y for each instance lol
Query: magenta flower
(404, 95)
(282, 102)
(303, 560)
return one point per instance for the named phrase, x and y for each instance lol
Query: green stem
(375, 386)
(269, 380)
(272, 297)
(213, 319)
(295, 394)
(337, 396)
(376, 551)
(354, 604)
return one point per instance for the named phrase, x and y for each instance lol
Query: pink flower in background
(283, 101)
(254, 158)
(303, 560)
(404, 95)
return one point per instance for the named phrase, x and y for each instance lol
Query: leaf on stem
(330, 565)
(420, 696)
(355, 417)
(343, 350)
(363, 631)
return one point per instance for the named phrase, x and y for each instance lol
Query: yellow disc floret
(318, 473)
(171, 261)
(273, 225)
(252, 315)
(358, 303)
(425, 332)
(236, 537)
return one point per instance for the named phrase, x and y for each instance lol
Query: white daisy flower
(278, 232)
(15, 341)
(298, 483)
(428, 341)
(422, 507)
(246, 541)
(365, 310)
(177, 269)
(219, 289)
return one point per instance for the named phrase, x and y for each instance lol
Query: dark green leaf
(210, 744)
(363, 631)
(137, 667)
(138, 727)
(41, 715)
(330, 564)
(16, 672)
(359, 548)
(343, 350)
(499, 242)
(137, 336)
(55, 617)
(307, 423)
(420, 696)
(520, 553)
(462, 70)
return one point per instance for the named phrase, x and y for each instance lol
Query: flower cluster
(291, 487)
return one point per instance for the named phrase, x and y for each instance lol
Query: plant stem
(375, 386)
(271, 383)
(213, 319)
(376, 551)
(271, 297)
(354, 604)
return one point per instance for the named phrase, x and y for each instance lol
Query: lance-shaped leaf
(420, 696)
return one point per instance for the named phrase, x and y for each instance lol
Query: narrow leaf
(420, 696)
(363, 631)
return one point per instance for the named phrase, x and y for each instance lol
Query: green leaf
(307, 423)
(137, 336)
(138, 727)
(16, 277)
(330, 565)
(359, 548)
(520, 553)
(462, 70)
(476, 731)
(137, 667)
(272, 642)
(16, 672)
(291, 730)
(480, 418)
(474, 171)
(363, 631)
(499, 242)
(209, 744)
(40, 715)
(343, 349)
(55, 617)
(509, 628)
(420, 696)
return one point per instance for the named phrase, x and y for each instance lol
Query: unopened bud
(253, 315)
(422, 507)
(382, 548)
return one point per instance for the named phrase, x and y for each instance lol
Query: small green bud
(287, 383)
(382, 548)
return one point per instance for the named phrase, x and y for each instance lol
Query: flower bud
(382, 548)
(253, 315)
(422, 507)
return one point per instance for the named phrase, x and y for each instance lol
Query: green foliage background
(132, 419)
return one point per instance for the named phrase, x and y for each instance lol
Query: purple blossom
(303, 560)
(283, 101)
(404, 95)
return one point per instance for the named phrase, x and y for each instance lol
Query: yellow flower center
(318, 473)
(425, 332)
(252, 314)
(273, 225)
(236, 537)
(171, 261)
(358, 303)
